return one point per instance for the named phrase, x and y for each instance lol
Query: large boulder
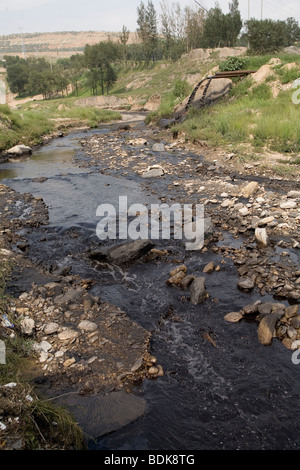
(217, 88)
(123, 253)
(20, 150)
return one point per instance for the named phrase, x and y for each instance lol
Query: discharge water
(230, 393)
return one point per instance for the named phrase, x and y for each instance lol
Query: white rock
(5, 252)
(244, 211)
(51, 328)
(87, 325)
(19, 150)
(249, 189)
(288, 205)
(68, 334)
(27, 326)
(293, 194)
(261, 236)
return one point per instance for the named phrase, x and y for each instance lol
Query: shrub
(232, 64)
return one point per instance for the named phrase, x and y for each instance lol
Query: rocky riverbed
(88, 347)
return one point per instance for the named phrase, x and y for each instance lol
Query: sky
(32, 16)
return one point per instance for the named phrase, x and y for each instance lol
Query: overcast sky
(103, 15)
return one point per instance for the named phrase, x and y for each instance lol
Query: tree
(17, 76)
(123, 38)
(99, 59)
(292, 31)
(194, 26)
(265, 36)
(173, 30)
(222, 30)
(147, 29)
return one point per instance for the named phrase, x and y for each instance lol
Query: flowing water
(221, 388)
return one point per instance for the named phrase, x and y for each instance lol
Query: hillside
(54, 45)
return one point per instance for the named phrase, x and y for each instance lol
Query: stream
(232, 393)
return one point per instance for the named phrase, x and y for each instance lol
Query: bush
(232, 63)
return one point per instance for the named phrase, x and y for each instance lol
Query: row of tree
(183, 29)
(36, 76)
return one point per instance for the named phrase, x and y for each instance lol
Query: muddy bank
(81, 345)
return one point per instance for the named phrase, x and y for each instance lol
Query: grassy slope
(32, 121)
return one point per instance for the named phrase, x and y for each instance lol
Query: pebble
(233, 317)
(198, 291)
(86, 325)
(246, 284)
(51, 328)
(288, 205)
(68, 334)
(69, 362)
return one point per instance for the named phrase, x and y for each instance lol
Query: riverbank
(86, 346)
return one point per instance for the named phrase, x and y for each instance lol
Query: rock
(176, 270)
(86, 325)
(246, 284)
(266, 328)
(249, 189)
(70, 296)
(101, 415)
(295, 344)
(187, 281)
(293, 194)
(233, 317)
(261, 236)
(265, 221)
(53, 289)
(123, 253)
(42, 348)
(27, 326)
(244, 211)
(137, 365)
(176, 279)
(265, 308)
(5, 252)
(68, 334)
(158, 147)
(250, 309)
(153, 172)
(287, 342)
(295, 322)
(288, 205)
(51, 328)
(69, 362)
(137, 142)
(209, 268)
(292, 333)
(153, 370)
(20, 150)
(198, 291)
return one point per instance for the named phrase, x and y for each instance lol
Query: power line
(201, 6)
(280, 8)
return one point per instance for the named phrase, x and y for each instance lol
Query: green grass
(29, 124)
(250, 115)
(288, 75)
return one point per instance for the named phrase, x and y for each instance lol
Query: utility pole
(23, 45)
(261, 9)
